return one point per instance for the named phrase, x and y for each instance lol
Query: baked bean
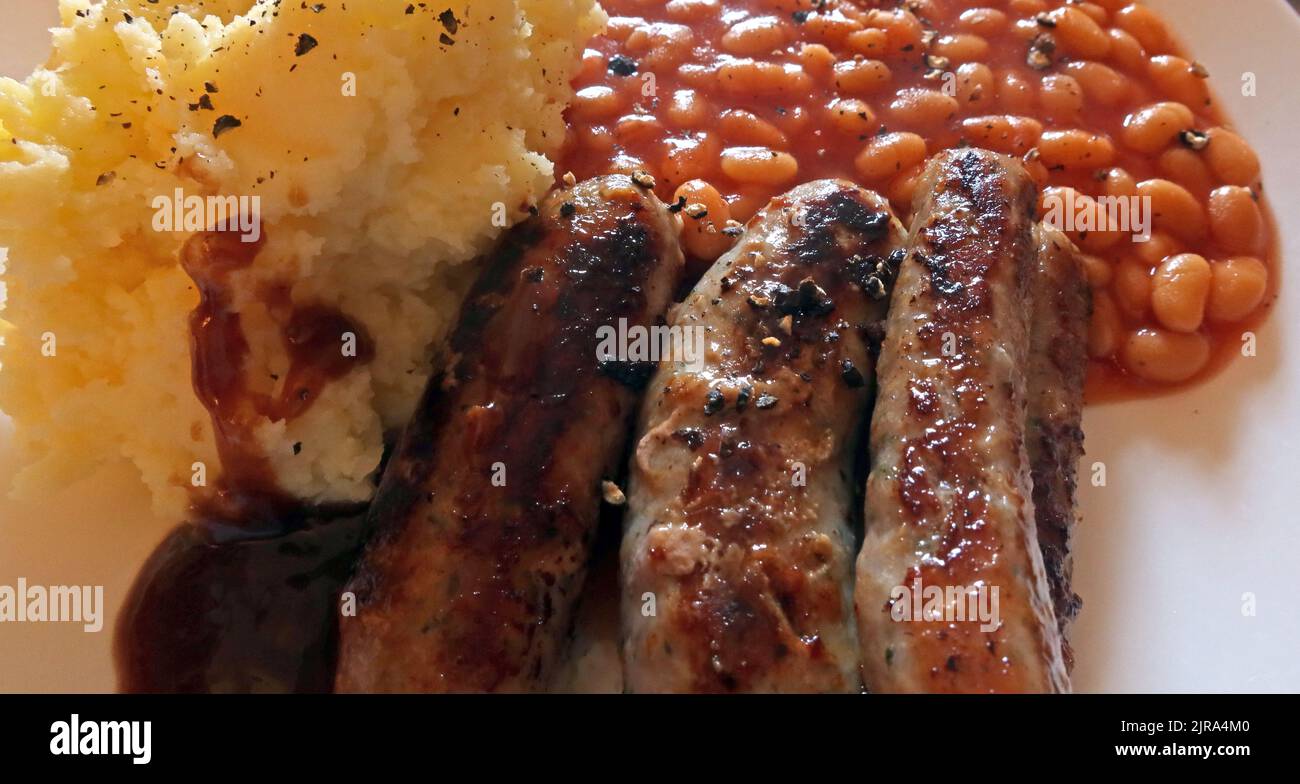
(923, 9)
(830, 27)
(623, 163)
(1231, 158)
(1097, 270)
(792, 120)
(871, 42)
(1055, 201)
(1005, 133)
(1100, 83)
(759, 165)
(593, 104)
(748, 200)
(740, 127)
(1111, 6)
(1132, 290)
(1099, 14)
(1079, 34)
(1076, 149)
(1165, 357)
(1026, 7)
(1015, 93)
(1155, 127)
(817, 60)
(1156, 249)
(919, 108)
(1026, 29)
(661, 45)
(974, 86)
(1186, 168)
(1235, 219)
(592, 66)
(688, 158)
(1179, 290)
(1079, 216)
(903, 188)
(1174, 209)
(758, 77)
(1119, 183)
(703, 235)
(1105, 236)
(1146, 26)
(987, 22)
(688, 109)
(1061, 97)
(888, 154)
(852, 117)
(618, 28)
(861, 77)
(1126, 52)
(700, 77)
(902, 30)
(1237, 288)
(1105, 328)
(1175, 77)
(638, 128)
(961, 47)
(692, 10)
(1033, 164)
(756, 36)
(597, 138)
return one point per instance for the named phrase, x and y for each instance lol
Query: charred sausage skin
(738, 546)
(1058, 364)
(487, 510)
(948, 498)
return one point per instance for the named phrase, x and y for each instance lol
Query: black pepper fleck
(714, 402)
(224, 123)
(851, 375)
(305, 44)
(622, 65)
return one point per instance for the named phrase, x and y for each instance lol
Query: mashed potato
(388, 143)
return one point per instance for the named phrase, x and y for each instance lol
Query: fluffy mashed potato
(388, 143)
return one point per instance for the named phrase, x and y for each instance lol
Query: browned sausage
(949, 503)
(489, 505)
(738, 552)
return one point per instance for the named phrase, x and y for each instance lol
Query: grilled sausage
(488, 509)
(1058, 363)
(738, 550)
(949, 502)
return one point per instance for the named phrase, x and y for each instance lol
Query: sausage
(486, 514)
(1058, 363)
(948, 498)
(737, 554)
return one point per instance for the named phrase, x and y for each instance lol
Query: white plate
(1196, 514)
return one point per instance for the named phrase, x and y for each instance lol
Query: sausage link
(738, 549)
(949, 503)
(486, 514)
(1058, 364)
